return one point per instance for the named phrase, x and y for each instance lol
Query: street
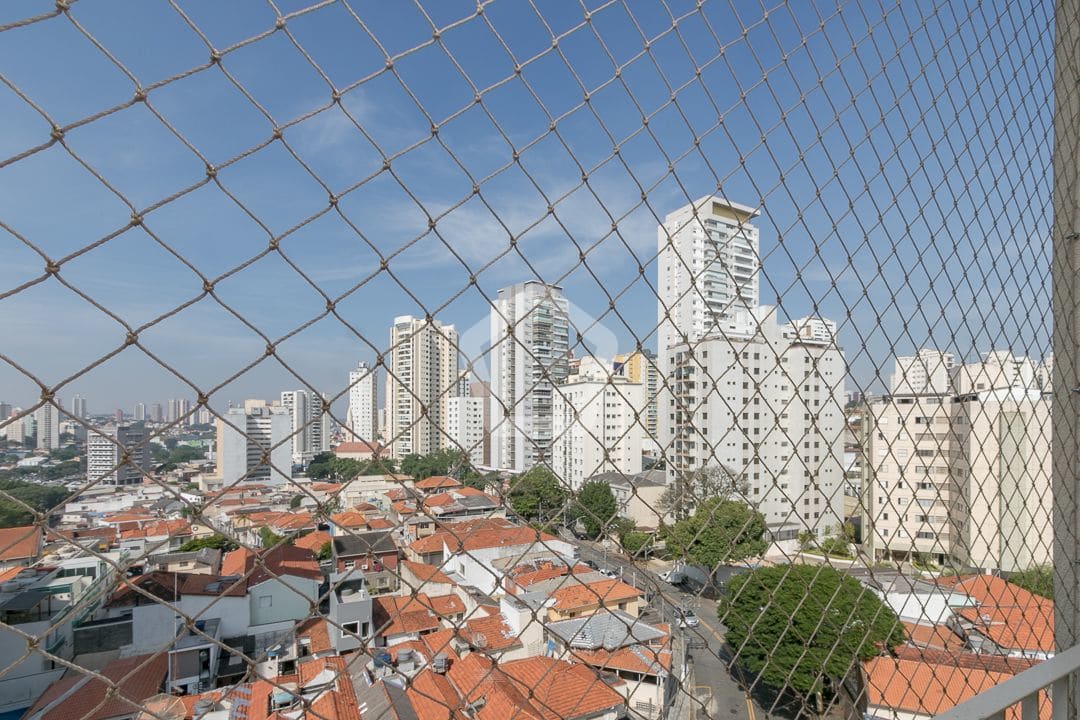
(716, 692)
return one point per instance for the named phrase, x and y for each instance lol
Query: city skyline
(828, 237)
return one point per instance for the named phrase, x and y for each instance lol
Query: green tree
(268, 538)
(40, 498)
(449, 462)
(805, 627)
(1038, 579)
(326, 552)
(537, 495)
(296, 501)
(217, 542)
(719, 531)
(635, 543)
(319, 467)
(692, 488)
(595, 507)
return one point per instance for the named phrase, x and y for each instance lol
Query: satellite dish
(480, 640)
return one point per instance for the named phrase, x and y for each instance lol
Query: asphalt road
(718, 694)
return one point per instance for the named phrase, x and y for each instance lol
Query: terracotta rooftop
(159, 528)
(437, 482)
(1007, 614)
(281, 560)
(923, 688)
(19, 543)
(489, 632)
(396, 615)
(607, 593)
(313, 541)
(357, 447)
(935, 637)
(426, 573)
(80, 697)
(433, 697)
(349, 519)
(317, 633)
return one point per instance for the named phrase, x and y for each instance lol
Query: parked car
(687, 618)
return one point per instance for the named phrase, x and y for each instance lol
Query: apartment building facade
(117, 455)
(422, 378)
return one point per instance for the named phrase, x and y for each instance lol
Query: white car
(687, 619)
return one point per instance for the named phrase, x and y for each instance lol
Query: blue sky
(899, 154)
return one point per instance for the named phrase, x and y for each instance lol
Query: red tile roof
(503, 537)
(434, 698)
(426, 573)
(357, 447)
(281, 560)
(437, 482)
(19, 543)
(78, 697)
(608, 592)
(938, 637)
(1007, 614)
(530, 574)
(378, 523)
(489, 632)
(317, 633)
(395, 615)
(159, 528)
(349, 519)
(925, 688)
(313, 541)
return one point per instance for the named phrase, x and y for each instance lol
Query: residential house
(473, 554)
(367, 551)
(1005, 619)
(19, 546)
(619, 644)
(86, 697)
(205, 561)
(350, 611)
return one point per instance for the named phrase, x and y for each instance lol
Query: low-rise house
(473, 554)
(460, 504)
(87, 698)
(619, 644)
(47, 604)
(539, 688)
(1005, 619)
(510, 632)
(437, 484)
(574, 596)
(366, 551)
(19, 546)
(902, 689)
(156, 536)
(313, 542)
(205, 561)
(282, 583)
(637, 496)
(358, 450)
(351, 611)
(399, 619)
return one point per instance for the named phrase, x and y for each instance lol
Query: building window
(266, 601)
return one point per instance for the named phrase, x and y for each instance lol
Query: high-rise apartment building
(962, 477)
(422, 377)
(47, 419)
(530, 354)
(249, 436)
(927, 372)
(78, 407)
(140, 412)
(361, 417)
(183, 411)
(308, 424)
(768, 411)
(13, 426)
(203, 416)
(708, 272)
(173, 411)
(482, 390)
(106, 448)
(596, 424)
(156, 414)
(465, 425)
(5, 412)
(642, 367)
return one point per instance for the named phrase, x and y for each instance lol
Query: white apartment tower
(465, 426)
(105, 451)
(596, 425)
(309, 425)
(708, 272)
(423, 376)
(962, 477)
(767, 408)
(643, 367)
(530, 353)
(251, 432)
(47, 419)
(928, 372)
(78, 407)
(361, 417)
(140, 412)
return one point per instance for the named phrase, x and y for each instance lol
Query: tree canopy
(217, 542)
(329, 466)
(691, 488)
(448, 462)
(805, 626)
(537, 495)
(595, 507)
(719, 531)
(1038, 579)
(39, 497)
